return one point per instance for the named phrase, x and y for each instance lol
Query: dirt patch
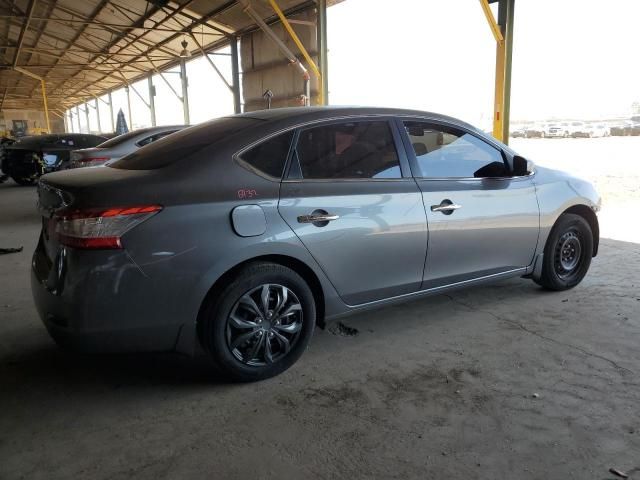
(343, 330)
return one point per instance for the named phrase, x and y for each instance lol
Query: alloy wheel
(264, 325)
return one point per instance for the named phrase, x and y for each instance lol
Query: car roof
(301, 114)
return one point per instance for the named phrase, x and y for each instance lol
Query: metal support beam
(157, 70)
(86, 116)
(46, 106)
(23, 30)
(322, 50)
(126, 89)
(503, 33)
(139, 96)
(113, 127)
(44, 93)
(78, 118)
(4, 96)
(95, 99)
(213, 65)
(303, 50)
(152, 100)
(506, 116)
(248, 9)
(495, 28)
(185, 91)
(235, 74)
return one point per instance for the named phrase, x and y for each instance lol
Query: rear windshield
(179, 145)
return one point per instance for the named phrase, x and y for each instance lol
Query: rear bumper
(95, 302)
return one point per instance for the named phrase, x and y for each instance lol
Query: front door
(482, 221)
(350, 199)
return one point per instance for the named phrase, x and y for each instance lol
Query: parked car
(120, 146)
(599, 130)
(553, 130)
(240, 235)
(534, 131)
(591, 130)
(575, 127)
(30, 157)
(519, 133)
(620, 129)
(633, 127)
(4, 142)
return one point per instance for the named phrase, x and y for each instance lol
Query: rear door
(349, 197)
(482, 220)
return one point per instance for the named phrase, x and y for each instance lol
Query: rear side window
(355, 150)
(169, 150)
(268, 157)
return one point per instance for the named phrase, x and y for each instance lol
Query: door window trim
(403, 161)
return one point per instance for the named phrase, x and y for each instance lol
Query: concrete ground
(502, 381)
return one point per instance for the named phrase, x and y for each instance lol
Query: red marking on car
(247, 193)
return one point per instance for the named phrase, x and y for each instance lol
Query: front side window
(355, 150)
(444, 152)
(269, 157)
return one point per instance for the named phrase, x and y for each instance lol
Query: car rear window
(181, 144)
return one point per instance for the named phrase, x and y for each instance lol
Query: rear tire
(260, 323)
(567, 253)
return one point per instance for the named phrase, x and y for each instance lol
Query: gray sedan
(120, 146)
(240, 235)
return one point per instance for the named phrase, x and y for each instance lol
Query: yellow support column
(503, 33)
(498, 102)
(44, 93)
(46, 107)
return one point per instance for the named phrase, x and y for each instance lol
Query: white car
(593, 130)
(575, 127)
(600, 130)
(553, 130)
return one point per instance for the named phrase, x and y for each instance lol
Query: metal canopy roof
(86, 48)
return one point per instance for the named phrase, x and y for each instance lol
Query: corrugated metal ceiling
(85, 48)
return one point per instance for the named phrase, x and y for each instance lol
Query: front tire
(260, 323)
(567, 253)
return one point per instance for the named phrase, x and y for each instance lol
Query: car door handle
(317, 218)
(446, 206)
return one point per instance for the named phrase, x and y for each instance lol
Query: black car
(30, 157)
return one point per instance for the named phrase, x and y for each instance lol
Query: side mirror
(521, 166)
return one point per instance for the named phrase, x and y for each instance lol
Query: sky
(572, 59)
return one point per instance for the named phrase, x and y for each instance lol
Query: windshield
(182, 144)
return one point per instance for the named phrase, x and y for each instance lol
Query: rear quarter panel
(191, 243)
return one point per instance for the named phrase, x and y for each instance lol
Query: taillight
(100, 228)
